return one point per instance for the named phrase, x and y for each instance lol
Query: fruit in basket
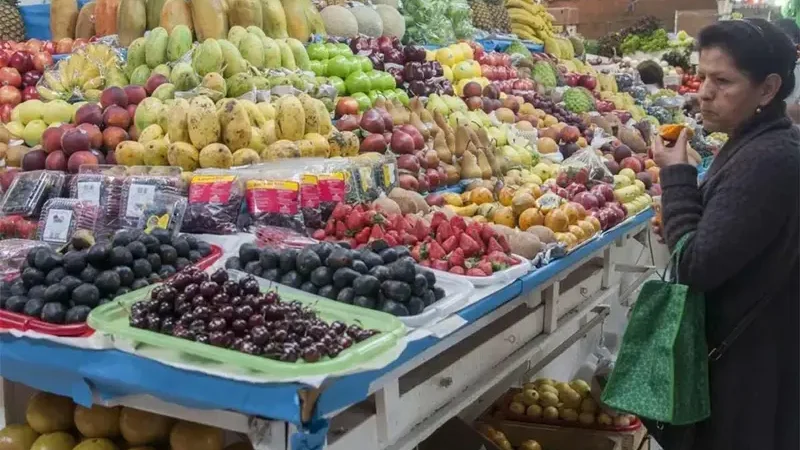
(517, 408)
(194, 436)
(142, 427)
(548, 399)
(48, 413)
(605, 420)
(550, 413)
(54, 441)
(17, 437)
(534, 411)
(95, 444)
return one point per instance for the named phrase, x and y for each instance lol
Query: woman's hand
(668, 156)
(657, 229)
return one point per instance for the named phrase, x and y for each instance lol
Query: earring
(758, 110)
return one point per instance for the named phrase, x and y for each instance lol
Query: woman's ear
(769, 89)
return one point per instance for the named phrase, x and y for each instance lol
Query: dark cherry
(338, 327)
(236, 343)
(292, 316)
(289, 355)
(272, 313)
(198, 325)
(183, 333)
(202, 312)
(292, 337)
(345, 342)
(250, 348)
(225, 312)
(256, 320)
(334, 350)
(220, 299)
(279, 335)
(219, 276)
(243, 312)
(282, 325)
(327, 340)
(199, 277)
(191, 290)
(202, 338)
(217, 324)
(167, 294)
(317, 332)
(186, 319)
(180, 299)
(250, 287)
(180, 281)
(199, 300)
(139, 322)
(305, 342)
(153, 322)
(249, 300)
(230, 288)
(165, 308)
(353, 330)
(167, 325)
(237, 301)
(311, 354)
(216, 338)
(260, 335)
(183, 308)
(209, 289)
(239, 326)
(298, 328)
(271, 297)
(363, 336)
(152, 306)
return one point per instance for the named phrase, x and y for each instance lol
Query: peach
(95, 135)
(51, 139)
(113, 96)
(75, 140)
(135, 94)
(632, 163)
(113, 136)
(56, 161)
(154, 82)
(81, 158)
(131, 110)
(133, 133)
(89, 113)
(116, 116)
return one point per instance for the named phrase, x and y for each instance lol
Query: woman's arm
(745, 214)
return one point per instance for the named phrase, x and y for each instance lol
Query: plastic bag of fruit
(273, 199)
(139, 192)
(269, 236)
(582, 170)
(101, 186)
(13, 253)
(214, 203)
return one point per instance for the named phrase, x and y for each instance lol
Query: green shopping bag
(661, 372)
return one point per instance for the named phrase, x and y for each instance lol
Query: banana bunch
(530, 20)
(85, 73)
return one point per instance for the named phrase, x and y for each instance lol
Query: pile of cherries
(236, 315)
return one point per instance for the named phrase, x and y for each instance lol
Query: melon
(339, 21)
(393, 22)
(369, 21)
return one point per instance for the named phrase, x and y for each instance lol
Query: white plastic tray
(505, 276)
(457, 293)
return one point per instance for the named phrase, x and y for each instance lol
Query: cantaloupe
(245, 13)
(63, 18)
(174, 13)
(369, 21)
(84, 27)
(339, 21)
(105, 17)
(210, 19)
(393, 22)
(131, 21)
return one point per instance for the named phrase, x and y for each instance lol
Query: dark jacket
(745, 251)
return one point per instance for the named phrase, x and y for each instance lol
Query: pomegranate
(42, 60)
(31, 78)
(30, 93)
(9, 95)
(10, 76)
(21, 61)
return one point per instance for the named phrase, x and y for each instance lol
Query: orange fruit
(529, 218)
(595, 223)
(571, 212)
(556, 220)
(581, 210)
(578, 232)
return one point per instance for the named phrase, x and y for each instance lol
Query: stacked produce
(531, 21)
(490, 15)
(380, 20)
(437, 22)
(20, 70)
(83, 74)
(646, 28)
(55, 422)
(500, 440)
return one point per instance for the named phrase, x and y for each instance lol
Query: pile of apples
(20, 70)
(496, 66)
(690, 84)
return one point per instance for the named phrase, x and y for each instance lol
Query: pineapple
(11, 26)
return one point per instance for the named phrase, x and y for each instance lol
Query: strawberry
(376, 233)
(475, 234)
(458, 223)
(373, 217)
(450, 244)
(355, 221)
(416, 253)
(437, 218)
(435, 251)
(421, 230)
(391, 240)
(360, 208)
(362, 237)
(341, 211)
(425, 263)
(341, 229)
(330, 227)
(487, 232)
(475, 272)
(494, 246)
(458, 270)
(409, 239)
(440, 265)
(498, 260)
(503, 243)
(468, 245)
(456, 258)
(444, 232)
(401, 224)
(512, 261)
(318, 235)
(485, 267)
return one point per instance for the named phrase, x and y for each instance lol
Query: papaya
(179, 42)
(63, 18)
(296, 21)
(156, 47)
(245, 13)
(174, 13)
(84, 27)
(105, 17)
(153, 8)
(210, 19)
(131, 21)
(274, 19)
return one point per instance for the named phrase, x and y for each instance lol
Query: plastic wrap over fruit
(13, 253)
(83, 74)
(64, 217)
(101, 186)
(277, 237)
(584, 168)
(214, 203)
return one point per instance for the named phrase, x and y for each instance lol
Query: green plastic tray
(113, 318)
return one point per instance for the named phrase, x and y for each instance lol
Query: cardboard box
(564, 16)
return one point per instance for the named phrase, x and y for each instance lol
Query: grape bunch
(224, 313)
(550, 107)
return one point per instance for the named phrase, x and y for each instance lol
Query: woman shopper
(743, 254)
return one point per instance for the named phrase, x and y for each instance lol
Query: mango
(156, 47)
(252, 50)
(235, 35)
(136, 53)
(287, 57)
(156, 152)
(240, 84)
(129, 153)
(207, 57)
(162, 69)
(147, 112)
(177, 124)
(299, 52)
(290, 121)
(140, 75)
(151, 133)
(183, 77)
(180, 42)
(203, 125)
(215, 156)
(235, 123)
(215, 82)
(164, 92)
(183, 155)
(245, 157)
(272, 53)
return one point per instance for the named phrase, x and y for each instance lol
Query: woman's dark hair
(757, 47)
(651, 73)
(789, 26)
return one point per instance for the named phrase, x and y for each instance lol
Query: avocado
(193, 241)
(307, 261)
(415, 305)
(126, 274)
(382, 273)
(137, 249)
(233, 263)
(150, 242)
(254, 268)
(155, 261)
(122, 291)
(98, 254)
(181, 246)
(420, 285)
(292, 278)
(195, 256)
(18, 287)
(388, 255)
(37, 291)
(402, 251)
(346, 295)
(89, 274)
(108, 282)
(288, 259)
(47, 260)
(16, 303)
(428, 297)
(271, 274)
(396, 290)
(140, 283)
(30, 260)
(32, 276)
(378, 245)
(430, 277)
(394, 308)
(248, 252)
(77, 314)
(182, 263)
(321, 276)
(269, 258)
(204, 248)
(53, 312)
(122, 238)
(166, 271)
(323, 250)
(403, 270)
(56, 293)
(344, 277)
(33, 307)
(168, 254)
(366, 285)
(55, 276)
(371, 259)
(308, 287)
(162, 235)
(365, 302)
(438, 292)
(154, 278)
(74, 262)
(141, 269)
(120, 256)
(338, 259)
(328, 291)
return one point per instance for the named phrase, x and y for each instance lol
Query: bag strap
(717, 352)
(675, 257)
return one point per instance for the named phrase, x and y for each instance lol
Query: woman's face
(727, 95)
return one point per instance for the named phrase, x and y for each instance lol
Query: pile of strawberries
(450, 245)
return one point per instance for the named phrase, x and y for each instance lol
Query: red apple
(346, 106)
(51, 139)
(135, 94)
(42, 60)
(30, 93)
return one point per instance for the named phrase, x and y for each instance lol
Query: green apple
(318, 67)
(364, 102)
(338, 84)
(355, 64)
(333, 51)
(339, 66)
(57, 111)
(366, 64)
(402, 96)
(375, 80)
(388, 81)
(389, 94)
(317, 51)
(374, 96)
(343, 49)
(357, 82)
